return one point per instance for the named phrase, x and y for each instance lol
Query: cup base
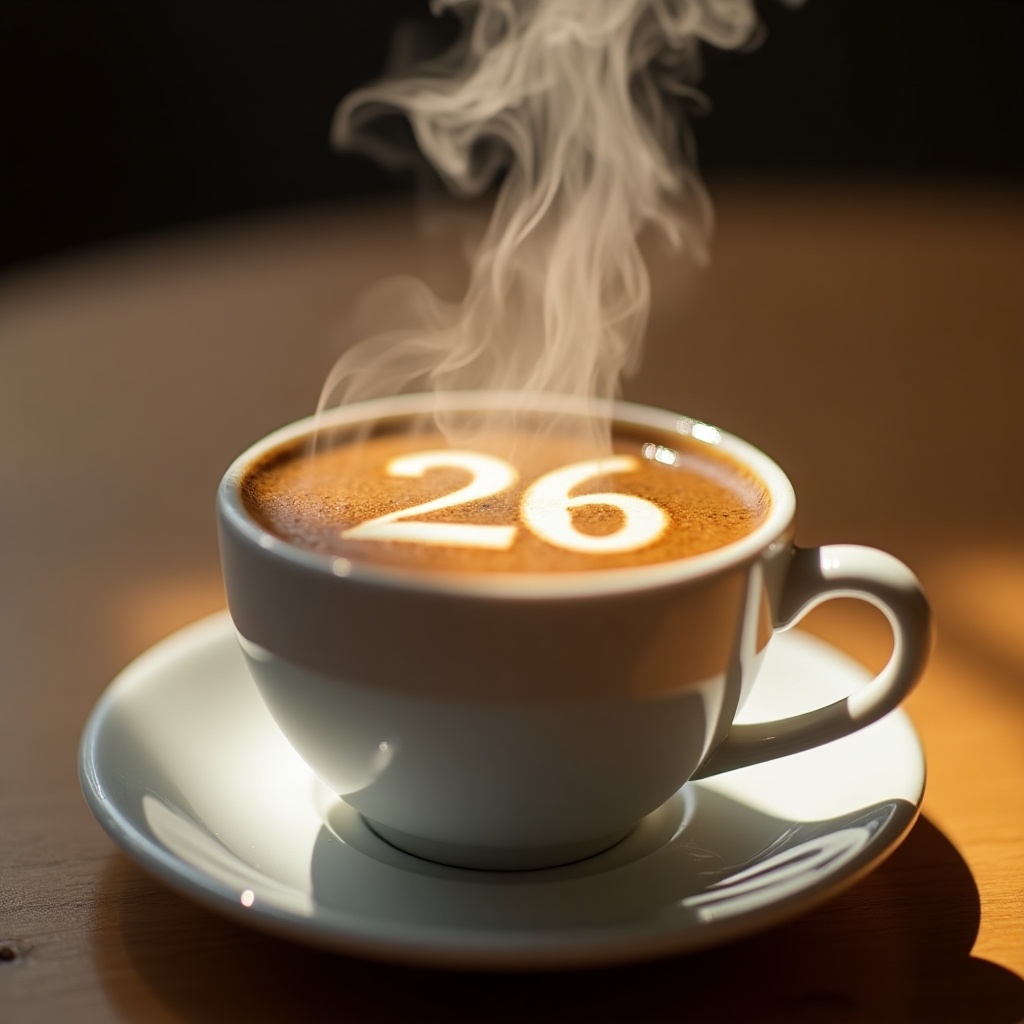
(493, 858)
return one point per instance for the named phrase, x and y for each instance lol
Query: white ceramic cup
(513, 721)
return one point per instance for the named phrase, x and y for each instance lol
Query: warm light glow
(699, 431)
(659, 453)
(247, 898)
(705, 432)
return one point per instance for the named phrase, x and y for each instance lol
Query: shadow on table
(834, 964)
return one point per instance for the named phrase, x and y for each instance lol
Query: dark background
(119, 118)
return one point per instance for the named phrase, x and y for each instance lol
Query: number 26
(546, 506)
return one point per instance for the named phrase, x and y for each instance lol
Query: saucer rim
(416, 944)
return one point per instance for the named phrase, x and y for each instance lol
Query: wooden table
(871, 339)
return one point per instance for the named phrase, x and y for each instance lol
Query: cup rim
(592, 582)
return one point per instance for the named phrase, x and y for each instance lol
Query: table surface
(870, 338)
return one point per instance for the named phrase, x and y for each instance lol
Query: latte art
(505, 505)
(545, 508)
(488, 476)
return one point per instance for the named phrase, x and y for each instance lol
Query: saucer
(184, 768)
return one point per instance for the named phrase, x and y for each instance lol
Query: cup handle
(820, 574)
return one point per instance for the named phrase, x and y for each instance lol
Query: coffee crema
(505, 503)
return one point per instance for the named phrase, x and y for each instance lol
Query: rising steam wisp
(582, 105)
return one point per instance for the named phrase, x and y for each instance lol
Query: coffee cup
(488, 676)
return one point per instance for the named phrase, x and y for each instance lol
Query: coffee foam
(707, 499)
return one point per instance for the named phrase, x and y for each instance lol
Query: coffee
(504, 503)
(470, 708)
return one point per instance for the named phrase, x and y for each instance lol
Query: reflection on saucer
(790, 864)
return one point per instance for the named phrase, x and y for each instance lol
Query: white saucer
(186, 771)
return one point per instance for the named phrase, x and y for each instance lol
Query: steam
(582, 106)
